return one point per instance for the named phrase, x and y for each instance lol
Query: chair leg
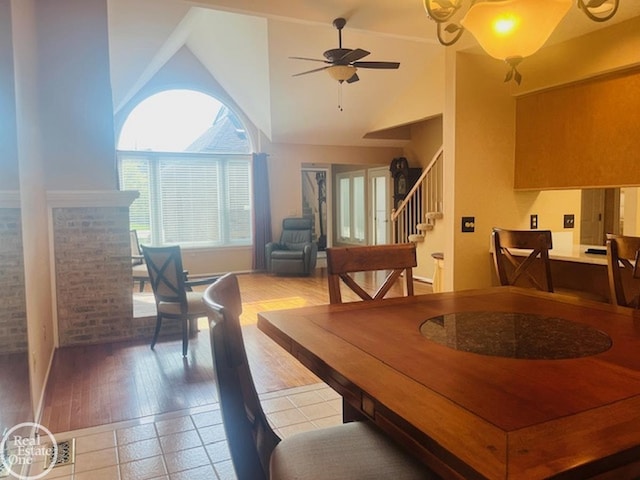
(155, 335)
(185, 336)
(141, 286)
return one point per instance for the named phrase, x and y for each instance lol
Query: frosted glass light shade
(514, 28)
(342, 73)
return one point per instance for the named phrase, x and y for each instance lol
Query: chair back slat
(623, 253)
(166, 275)
(251, 440)
(532, 270)
(343, 262)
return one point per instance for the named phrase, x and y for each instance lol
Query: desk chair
(532, 271)
(623, 265)
(343, 262)
(352, 451)
(173, 290)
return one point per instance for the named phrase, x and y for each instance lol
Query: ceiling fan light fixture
(342, 73)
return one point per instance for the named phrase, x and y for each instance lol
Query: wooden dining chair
(532, 270)
(623, 265)
(355, 450)
(172, 290)
(343, 263)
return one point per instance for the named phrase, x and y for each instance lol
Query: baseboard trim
(423, 280)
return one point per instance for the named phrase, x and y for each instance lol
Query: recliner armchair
(295, 253)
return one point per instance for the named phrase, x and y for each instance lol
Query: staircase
(409, 223)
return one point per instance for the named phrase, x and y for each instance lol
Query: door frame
(375, 173)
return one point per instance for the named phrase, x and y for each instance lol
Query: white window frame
(225, 218)
(351, 237)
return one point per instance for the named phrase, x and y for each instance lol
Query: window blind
(191, 200)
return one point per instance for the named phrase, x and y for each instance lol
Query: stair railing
(426, 195)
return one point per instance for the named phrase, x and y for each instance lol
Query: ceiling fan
(343, 63)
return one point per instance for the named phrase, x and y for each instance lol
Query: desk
(469, 415)
(574, 269)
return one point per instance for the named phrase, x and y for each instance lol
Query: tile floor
(186, 444)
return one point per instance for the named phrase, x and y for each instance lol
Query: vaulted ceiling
(246, 45)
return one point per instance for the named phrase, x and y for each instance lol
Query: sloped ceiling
(235, 49)
(246, 45)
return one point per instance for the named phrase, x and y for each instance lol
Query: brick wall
(13, 314)
(92, 274)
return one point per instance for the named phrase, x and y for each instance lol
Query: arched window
(189, 157)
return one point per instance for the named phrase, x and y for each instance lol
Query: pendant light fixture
(509, 30)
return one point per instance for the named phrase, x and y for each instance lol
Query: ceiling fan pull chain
(340, 96)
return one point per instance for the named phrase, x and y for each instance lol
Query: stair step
(433, 215)
(415, 238)
(424, 227)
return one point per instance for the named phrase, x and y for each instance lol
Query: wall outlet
(569, 221)
(468, 224)
(533, 221)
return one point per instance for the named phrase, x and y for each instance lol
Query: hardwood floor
(99, 384)
(15, 403)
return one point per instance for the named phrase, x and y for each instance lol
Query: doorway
(599, 215)
(380, 206)
(314, 203)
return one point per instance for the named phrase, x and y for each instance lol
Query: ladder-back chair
(344, 262)
(623, 264)
(172, 290)
(355, 450)
(532, 270)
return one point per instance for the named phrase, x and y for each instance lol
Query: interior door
(380, 202)
(592, 216)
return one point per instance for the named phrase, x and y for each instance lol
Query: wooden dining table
(495, 383)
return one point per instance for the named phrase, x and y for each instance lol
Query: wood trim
(81, 198)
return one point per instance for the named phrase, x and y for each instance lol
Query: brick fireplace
(91, 266)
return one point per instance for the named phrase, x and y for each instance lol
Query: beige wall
(213, 261)
(64, 137)
(550, 206)
(33, 197)
(480, 166)
(423, 100)
(8, 148)
(426, 139)
(75, 95)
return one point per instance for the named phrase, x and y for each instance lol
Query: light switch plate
(569, 221)
(468, 224)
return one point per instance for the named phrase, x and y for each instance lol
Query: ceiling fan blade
(354, 78)
(387, 65)
(352, 56)
(310, 59)
(311, 71)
